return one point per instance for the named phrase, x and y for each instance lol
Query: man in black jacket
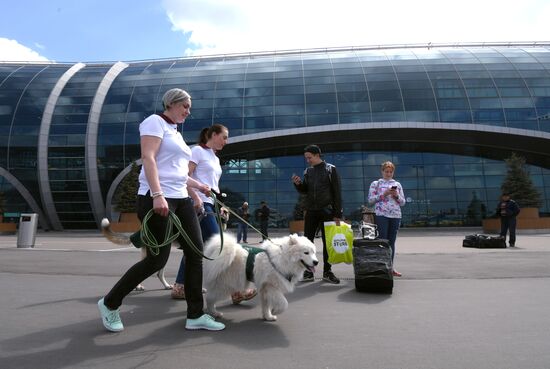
(508, 209)
(321, 184)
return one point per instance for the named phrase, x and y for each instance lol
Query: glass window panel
(320, 89)
(312, 99)
(452, 104)
(316, 120)
(517, 102)
(458, 116)
(468, 169)
(388, 106)
(391, 116)
(440, 195)
(385, 95)
(469, 182)
(487, 103)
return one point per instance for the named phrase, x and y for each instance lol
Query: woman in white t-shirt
(205, 167)
(163, 186)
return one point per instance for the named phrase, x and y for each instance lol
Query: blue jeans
(387, 229)
(242, 230)
(209, 227)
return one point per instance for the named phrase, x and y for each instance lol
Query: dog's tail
(116, 238)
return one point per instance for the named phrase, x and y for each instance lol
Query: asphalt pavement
(453, 308)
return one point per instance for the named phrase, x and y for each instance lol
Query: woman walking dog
(163, 187)
(205, 167)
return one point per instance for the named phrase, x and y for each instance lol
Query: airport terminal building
(446, 115)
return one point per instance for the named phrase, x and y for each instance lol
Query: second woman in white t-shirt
(205, 167)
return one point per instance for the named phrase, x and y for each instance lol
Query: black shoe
(308, 276)
(330, 278)
(512, 245)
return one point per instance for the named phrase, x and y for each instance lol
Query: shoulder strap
(328, 168)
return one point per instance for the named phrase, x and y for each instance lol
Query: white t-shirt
(208, 170)
(172, 158)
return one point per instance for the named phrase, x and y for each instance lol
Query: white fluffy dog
(275, 271)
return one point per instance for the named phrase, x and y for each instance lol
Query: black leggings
(143, 269)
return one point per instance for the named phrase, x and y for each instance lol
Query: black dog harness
(250, 260)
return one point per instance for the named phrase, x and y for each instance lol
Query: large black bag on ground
(482, 241)
(372, 265)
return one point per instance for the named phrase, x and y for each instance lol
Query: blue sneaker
(111, 318)
(204, 322)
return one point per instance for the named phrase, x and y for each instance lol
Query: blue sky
(101, 30)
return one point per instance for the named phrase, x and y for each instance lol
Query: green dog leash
(145, 238)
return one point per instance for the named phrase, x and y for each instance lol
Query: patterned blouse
(386, 206)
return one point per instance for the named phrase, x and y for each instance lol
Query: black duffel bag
(482, 241)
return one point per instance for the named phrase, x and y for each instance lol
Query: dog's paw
(270, 318)
(215, 314)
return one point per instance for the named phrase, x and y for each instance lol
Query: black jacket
(321, 184)
(507, 208)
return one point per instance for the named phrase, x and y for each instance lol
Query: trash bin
(28, 223)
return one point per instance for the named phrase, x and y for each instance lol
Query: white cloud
(11, 50)
(225, 26)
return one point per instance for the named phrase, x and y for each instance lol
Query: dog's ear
(293, 239)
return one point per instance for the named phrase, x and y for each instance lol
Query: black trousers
(312, 221)
(263, 228)
(508, 223)
(183, 208)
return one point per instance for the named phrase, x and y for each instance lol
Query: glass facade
(446, 116)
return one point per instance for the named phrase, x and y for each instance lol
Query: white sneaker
(204, 322)
(111, 318)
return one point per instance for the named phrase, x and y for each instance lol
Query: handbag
(339, 241)
(369, 231)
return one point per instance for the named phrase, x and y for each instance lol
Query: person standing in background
(508, 210)
(321, 185)
(242, 227)
(387, 196)
(263, 217)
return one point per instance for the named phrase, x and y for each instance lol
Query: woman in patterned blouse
(387, 195)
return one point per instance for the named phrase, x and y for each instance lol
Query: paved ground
(453, 308)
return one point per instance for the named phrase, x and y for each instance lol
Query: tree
(518, 183)
(127, 191)
(300, 207)
(476, 211)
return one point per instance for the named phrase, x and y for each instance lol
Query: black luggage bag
(481, 241)
(372, 266)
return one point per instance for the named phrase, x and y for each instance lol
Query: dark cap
(313, 149)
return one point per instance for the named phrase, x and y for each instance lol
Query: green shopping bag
(339, 240)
